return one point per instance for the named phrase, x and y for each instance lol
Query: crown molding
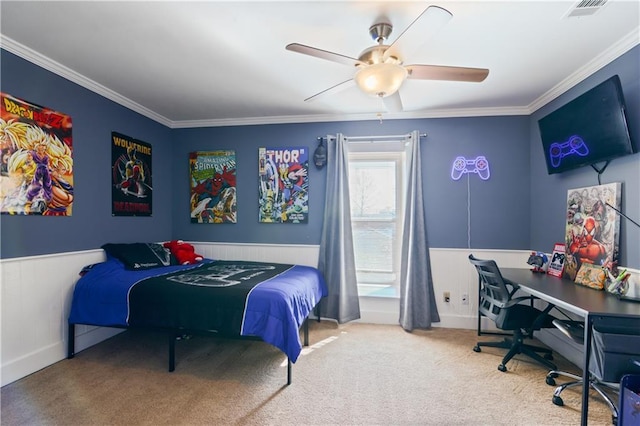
(49, 64)
(319, 118)
(620, 48)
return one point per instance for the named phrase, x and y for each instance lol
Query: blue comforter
(272, 309)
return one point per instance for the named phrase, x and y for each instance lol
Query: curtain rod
(371, 138)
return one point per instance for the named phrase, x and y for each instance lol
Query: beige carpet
(355, 374)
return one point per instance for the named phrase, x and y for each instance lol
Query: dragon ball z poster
(592, 227)
(132, 187)
(284, 184)
(213, 187)
(37, 159)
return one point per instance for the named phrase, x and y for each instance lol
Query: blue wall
(549, 192)
(503, 140)
(94, 118)
(519, 207)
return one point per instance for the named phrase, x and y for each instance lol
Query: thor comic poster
(284, 185)
(37, 159)
(132, 187)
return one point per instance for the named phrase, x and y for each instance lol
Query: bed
(139, 285)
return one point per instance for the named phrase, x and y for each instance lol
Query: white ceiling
(189, 64)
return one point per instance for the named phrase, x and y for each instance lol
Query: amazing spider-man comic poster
(37, 163)
(284, 185)
(132, 187)
(592, 227)
(213, 187)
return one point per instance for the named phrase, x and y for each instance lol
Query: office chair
(497, 302)
(615, 352)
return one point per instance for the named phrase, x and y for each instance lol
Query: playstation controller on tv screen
(575, 145)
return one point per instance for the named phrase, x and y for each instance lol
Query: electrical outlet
(447, 296)
(465, 299)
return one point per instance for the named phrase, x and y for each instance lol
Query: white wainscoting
(35, 301)
(36, 297)
(276, 253)
(451, 272)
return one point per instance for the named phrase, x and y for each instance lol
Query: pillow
(140, 256)
(591, 276)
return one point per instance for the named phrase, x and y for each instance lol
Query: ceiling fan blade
(393, 103)
(333, 89)
(430, 21)
(437, 72)
(323, 54)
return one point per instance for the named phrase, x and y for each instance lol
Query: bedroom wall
(94, 118)
(511, 198)
(449, 204)
(548, 194)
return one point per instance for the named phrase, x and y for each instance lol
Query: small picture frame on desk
(556, 264)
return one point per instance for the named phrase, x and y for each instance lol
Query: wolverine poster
(213, 187)
(283, 191)
(36, 177)
(132, 187)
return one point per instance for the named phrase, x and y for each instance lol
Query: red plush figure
(184, 252)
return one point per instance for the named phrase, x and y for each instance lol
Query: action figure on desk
(539, 261)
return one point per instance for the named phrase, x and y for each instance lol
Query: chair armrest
(514, 286)
(516, 300)
(511, 283)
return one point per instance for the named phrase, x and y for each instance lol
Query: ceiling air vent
(586, 8)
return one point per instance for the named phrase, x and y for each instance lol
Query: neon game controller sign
(462, 166)
(574, 146)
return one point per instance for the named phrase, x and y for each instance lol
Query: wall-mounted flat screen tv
(590, 129)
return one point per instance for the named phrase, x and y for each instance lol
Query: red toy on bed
(185, 253)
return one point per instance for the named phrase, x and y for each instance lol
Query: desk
(580, 300)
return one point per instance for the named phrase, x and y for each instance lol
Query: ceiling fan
(380, 69)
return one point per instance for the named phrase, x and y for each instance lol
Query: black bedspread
(209, 298)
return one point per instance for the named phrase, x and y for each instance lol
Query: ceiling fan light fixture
(380, 80)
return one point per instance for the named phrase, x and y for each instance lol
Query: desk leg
(588, 332)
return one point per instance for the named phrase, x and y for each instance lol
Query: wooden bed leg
(288, 371)
(71, 341)
(172, 352)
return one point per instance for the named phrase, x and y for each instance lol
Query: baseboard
(31, 362)
(446, 321)
(48, 355)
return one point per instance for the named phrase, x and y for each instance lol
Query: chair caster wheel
(502, 368)
(476, 348)
(614, 419)
(550, 381)
(558, 401)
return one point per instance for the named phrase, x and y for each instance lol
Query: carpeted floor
(354, 374)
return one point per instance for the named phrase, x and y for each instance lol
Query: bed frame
(174, 333)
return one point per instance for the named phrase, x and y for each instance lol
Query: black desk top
(573, 297)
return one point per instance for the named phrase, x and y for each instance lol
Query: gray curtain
(337, 260)
(417, 300)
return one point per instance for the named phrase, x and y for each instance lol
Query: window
(376, 192)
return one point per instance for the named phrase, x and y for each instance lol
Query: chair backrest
(494, 293)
